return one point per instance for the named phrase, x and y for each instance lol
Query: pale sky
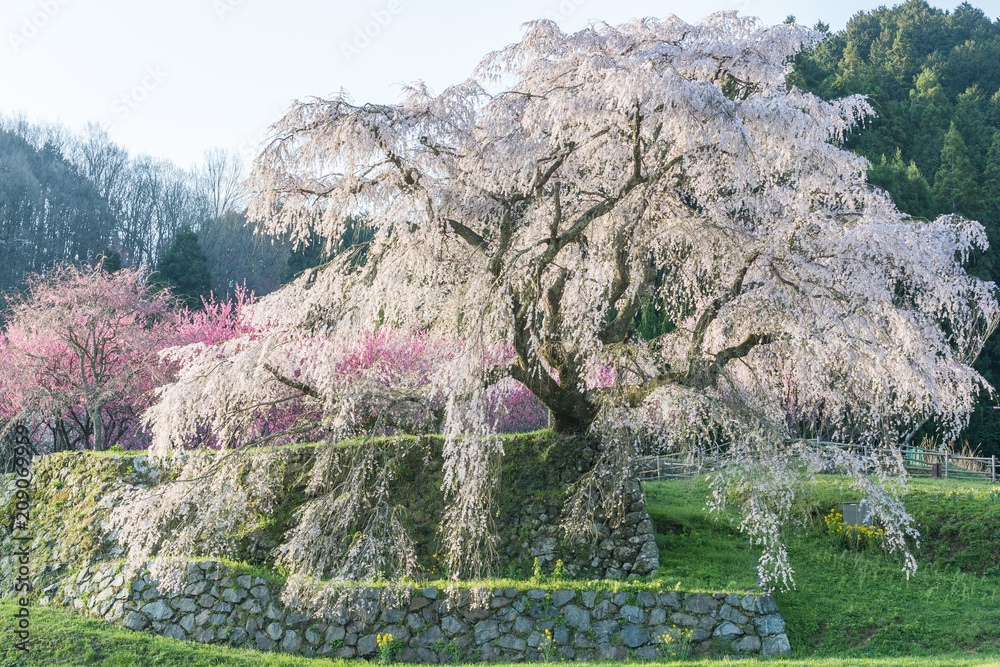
(171, 78)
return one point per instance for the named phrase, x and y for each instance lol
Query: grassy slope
(849, 603)
(849, 608)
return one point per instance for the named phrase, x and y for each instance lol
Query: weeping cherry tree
(531, 212)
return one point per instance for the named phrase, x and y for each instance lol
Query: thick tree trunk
(567, 424)
(569, 410)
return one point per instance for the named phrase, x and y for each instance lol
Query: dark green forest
(933, 78)
(48, 208)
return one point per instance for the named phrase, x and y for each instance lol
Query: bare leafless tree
(219, 181)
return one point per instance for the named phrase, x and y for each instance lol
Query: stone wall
(629, 550)
(74, 492)
(219, 605)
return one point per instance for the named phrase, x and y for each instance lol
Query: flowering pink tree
(80, 353)
(292, 386)
(511, 408)
(573, 180)
(216, 321)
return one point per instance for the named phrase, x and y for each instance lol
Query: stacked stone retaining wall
(217, 604)
(73, 494)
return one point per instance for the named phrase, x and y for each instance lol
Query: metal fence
(916, 461)
(922, 463)
(671, 466)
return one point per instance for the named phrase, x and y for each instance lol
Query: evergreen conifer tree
(908, 187)
(110, 261)
(955, 180)
(185, 268)
(929, 113)
(991, 185)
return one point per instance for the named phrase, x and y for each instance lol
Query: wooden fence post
(946, 457)
(993, 468)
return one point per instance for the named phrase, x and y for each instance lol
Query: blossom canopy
(534, 210)
(576, 178)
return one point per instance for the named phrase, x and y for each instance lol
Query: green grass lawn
(850, 603)
(848, 608)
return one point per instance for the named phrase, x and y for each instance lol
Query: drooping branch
(712, 312)
(723, 357)
(294, 384)
(474, 240)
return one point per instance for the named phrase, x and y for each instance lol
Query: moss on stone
(70, 490)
